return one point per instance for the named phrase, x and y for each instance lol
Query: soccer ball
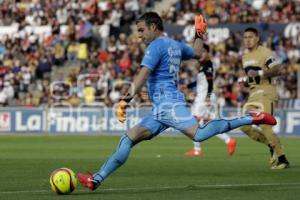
(63, 181)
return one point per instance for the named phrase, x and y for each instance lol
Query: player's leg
(265, 134)
(196, 111)
(278, 159)
(181, 119)
(211, 113)
(196, 151)
(199, 109)
(273, 139)
(119, 157)
(224, 137)
(145, 130)
(219, 126)
(230, 142)
(214, 112)
(254, 132)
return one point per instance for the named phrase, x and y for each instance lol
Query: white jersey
(201, 88)
(204, 86)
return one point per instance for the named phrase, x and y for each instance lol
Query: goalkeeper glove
(200, 26)
(121, 111)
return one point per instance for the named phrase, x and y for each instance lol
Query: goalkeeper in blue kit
(159, 68)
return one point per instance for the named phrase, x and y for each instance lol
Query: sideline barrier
(102, 121)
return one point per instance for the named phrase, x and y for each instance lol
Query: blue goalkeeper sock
(116, 160)
(219, 126)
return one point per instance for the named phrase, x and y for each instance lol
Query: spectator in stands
(82, 52)
(104, 30)
(58, 54)
(115, 19)
(85, 31)
(89, 93)
(72, 52)
(43, 67)
(125, 62)
(9, 90)
(25, 79)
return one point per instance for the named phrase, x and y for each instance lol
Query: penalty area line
(217, 186)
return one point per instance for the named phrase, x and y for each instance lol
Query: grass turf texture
(156, 169)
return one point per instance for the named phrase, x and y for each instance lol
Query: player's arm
(135, 88)
(198, 48)
(274, 69)
(200, 35)
(208, 71)
(209, 90)
(243, 79)
(195, 52)
(138, 82)
(149, 62)
(273, 65)
(210, 86)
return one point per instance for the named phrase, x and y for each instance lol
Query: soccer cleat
(231, 146)
(87, 181)
(262, 118)
(281, 165)
(193, 152)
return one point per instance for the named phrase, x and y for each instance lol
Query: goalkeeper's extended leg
(117, 159)
(219, 126)
(145, 130)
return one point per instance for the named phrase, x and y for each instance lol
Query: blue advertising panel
(75, 121)
(91, 120)
(292, 123)
(22, 120)
(102, 121)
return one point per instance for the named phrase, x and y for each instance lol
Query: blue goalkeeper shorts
(177, 116)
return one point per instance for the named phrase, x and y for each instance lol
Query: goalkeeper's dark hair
(251, 29)
(151, 18)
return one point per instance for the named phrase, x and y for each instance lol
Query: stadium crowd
(236, 11)
(91, 50)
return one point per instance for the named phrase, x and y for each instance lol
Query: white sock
(197, 146)
(224, 137)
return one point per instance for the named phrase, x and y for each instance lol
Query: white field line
(218, 186)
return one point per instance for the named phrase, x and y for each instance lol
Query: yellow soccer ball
(63, 181)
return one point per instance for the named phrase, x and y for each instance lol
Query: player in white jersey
(205, 105)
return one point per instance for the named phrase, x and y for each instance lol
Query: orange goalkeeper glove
(200, 26)
(121, 111)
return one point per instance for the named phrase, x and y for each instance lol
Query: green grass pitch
(156, 169)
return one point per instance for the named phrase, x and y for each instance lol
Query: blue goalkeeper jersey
(163, 57)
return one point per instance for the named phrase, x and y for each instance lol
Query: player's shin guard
(117, 159)
(218, 126)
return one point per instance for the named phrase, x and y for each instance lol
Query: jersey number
(174, 71)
